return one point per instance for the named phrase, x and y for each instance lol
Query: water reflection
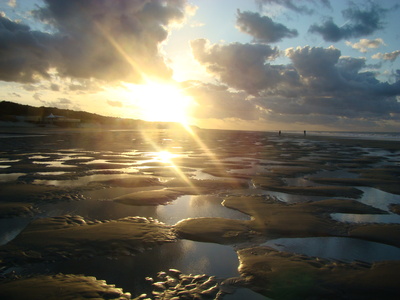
(130, 272)
(378, 198)
(10, 228)
(182, 208)
(10, 177)
(81, 181)
(365, 218)
(337, 248)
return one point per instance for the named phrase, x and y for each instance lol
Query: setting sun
(161, 102)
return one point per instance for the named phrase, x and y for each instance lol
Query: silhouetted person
(304, 133)
(279, 133)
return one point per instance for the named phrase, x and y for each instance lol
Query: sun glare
(161, 102)
(165, 156)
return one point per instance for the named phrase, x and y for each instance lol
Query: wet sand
(287, 186)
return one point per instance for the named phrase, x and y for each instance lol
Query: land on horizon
(14, 114)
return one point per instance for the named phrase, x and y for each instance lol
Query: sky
(227, 64)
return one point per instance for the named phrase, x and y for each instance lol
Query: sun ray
(161, 102)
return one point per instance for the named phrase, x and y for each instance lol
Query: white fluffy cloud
(387, 56)
(364, 44)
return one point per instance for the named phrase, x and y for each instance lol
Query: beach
(198, 214)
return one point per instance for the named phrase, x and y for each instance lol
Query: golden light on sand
(161, 102)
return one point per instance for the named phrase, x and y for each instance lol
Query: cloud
(241, 66)
(262, 28)
(107, 40)
(359, 22)
(15, 95)
(364, 44)
(37, 96)
(29, 87)
(84, 86)
(318, 86)
(114, 103)
(392, 56)
(197, 24)
(218, 102)
(24, 53)
(334, 86)
(54, 87)
(63, 103)
(294, 4)
(12, 3)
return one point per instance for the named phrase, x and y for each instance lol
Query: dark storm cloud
(109, 40)
(24, 53)
(242, 66)
(263, 28)
(359, 22)
(298, 6)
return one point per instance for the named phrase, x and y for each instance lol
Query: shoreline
(390, 145)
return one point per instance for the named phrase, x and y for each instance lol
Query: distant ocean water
(381, 136)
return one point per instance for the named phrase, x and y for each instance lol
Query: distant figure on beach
(304, 133)
(279, 133)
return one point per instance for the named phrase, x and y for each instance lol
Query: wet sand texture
(72, 236)
(155, 197)
(60, 287)
(276, 219)
(245, 169)
(282, 275)
(8, 210)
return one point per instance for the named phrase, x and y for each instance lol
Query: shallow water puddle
(81, 181)
(347, 249)
(10, 177)
(378, 198)
(54, 164)
(182, 208)
(130, 271)
(357, 218)
(10, 228)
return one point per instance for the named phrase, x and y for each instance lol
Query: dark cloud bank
(319, 86)
(359, 22)
(109, 40)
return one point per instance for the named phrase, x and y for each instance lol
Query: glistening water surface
(77, 165)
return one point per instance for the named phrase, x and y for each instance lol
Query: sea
(362, 135)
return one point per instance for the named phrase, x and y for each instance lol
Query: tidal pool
(357, 218)
(183, 207)
(130, 271)
(11, 227)
(347, 249)
(10, 177)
